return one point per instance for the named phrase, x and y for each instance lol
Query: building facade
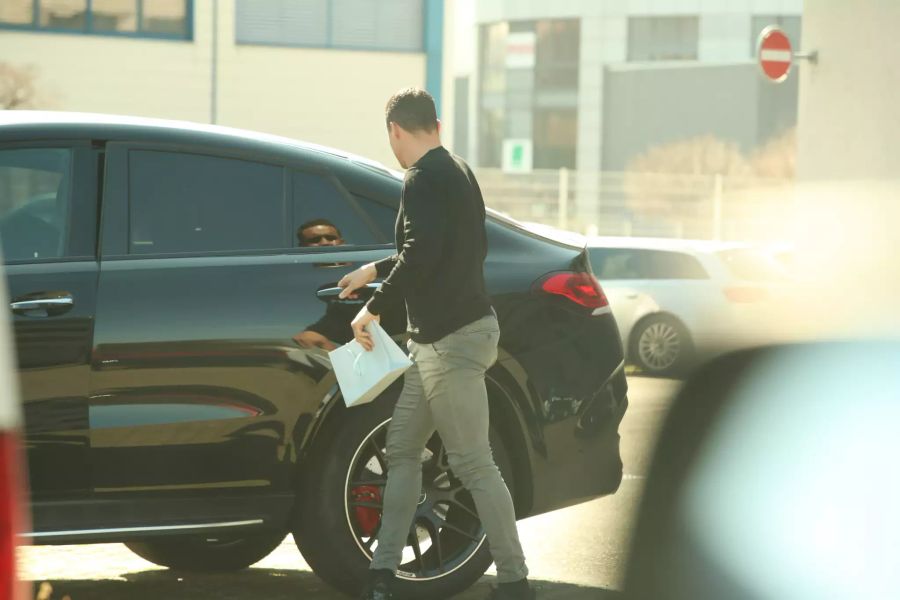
(849, 126)
(315, 70)
(590, 84)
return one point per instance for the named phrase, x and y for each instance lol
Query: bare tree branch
(17, 87)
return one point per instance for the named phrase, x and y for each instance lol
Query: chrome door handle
(52, 306)
(331, 293)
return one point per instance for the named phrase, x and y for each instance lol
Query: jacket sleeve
(384, 266)
(423, 241)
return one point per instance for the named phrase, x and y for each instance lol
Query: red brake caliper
(367, 517)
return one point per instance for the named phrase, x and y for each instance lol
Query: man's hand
(357, 279)
(359, 328)
(313, 339)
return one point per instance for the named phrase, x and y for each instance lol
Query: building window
(388, 25)
(663, 38)
(790, 26)
(63, 14)
(114, 15)
(17, 12)
(556, 57)
(529, 90)
(169, 19)
(555, 138)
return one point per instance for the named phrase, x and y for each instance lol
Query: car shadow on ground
(264, 584)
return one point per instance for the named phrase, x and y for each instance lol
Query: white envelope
(362, 375)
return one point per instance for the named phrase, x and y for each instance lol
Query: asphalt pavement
(575, 553)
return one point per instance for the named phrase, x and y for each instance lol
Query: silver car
(676, 300)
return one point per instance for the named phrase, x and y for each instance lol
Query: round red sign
(775, 54)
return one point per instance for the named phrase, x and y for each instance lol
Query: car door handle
(333, 292)
(631, 296)
(51, 305)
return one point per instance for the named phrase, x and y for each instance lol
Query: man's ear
(440, 126)
(394, 129)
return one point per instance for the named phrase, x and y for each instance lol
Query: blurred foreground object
(12, 507)
(775, 478)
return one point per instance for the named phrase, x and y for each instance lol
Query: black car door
(48, 204)
(197, 386)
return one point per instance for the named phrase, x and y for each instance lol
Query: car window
(384, 216)
(193, 203)
(627, 263)
(614, 263)
(35, 200)
(325, 214)
(674, 265)
(751, 265)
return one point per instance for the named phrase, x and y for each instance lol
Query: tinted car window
(35, 201)
(675, 265)
(320, 202)
(626, 263)
(609, 264)
(753, 266)
(193, 203)
(385, 217)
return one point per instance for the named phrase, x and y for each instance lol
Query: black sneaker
(518, 590)
(379, 586)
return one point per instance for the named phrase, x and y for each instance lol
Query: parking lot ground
(574, 554)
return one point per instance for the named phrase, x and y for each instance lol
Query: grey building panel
(282, 22)
(387, 24)
(777, 106)
(651, 106)
(364, 24)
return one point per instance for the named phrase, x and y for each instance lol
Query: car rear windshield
(752, 265)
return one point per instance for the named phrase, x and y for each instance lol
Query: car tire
(332, 535)
(660, 345)
(207, 554)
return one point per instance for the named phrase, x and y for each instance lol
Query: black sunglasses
(316, 239)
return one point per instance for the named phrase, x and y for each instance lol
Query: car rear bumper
(583, 460)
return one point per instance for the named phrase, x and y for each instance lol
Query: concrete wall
(331, 97)
(849, 123)
(646, 106)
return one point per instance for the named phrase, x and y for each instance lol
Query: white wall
(849, 122)
(330, 97)
(158, 78)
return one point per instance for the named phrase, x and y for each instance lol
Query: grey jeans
(444, 390)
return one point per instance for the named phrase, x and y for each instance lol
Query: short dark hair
(412, 109)
(317, 223)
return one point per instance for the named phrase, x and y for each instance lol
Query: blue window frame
(158, 19)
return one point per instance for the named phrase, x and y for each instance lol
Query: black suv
(156, 284)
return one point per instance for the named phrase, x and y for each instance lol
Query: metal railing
(644, 204)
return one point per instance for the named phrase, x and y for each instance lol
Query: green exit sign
(517, 155)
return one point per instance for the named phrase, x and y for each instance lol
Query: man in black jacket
(439, 273)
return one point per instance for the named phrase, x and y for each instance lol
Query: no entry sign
(775, 54)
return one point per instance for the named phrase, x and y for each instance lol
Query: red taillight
(581, 288)
(11, 515)
(745, 294)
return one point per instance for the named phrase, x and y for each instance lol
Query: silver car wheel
(659, 346)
